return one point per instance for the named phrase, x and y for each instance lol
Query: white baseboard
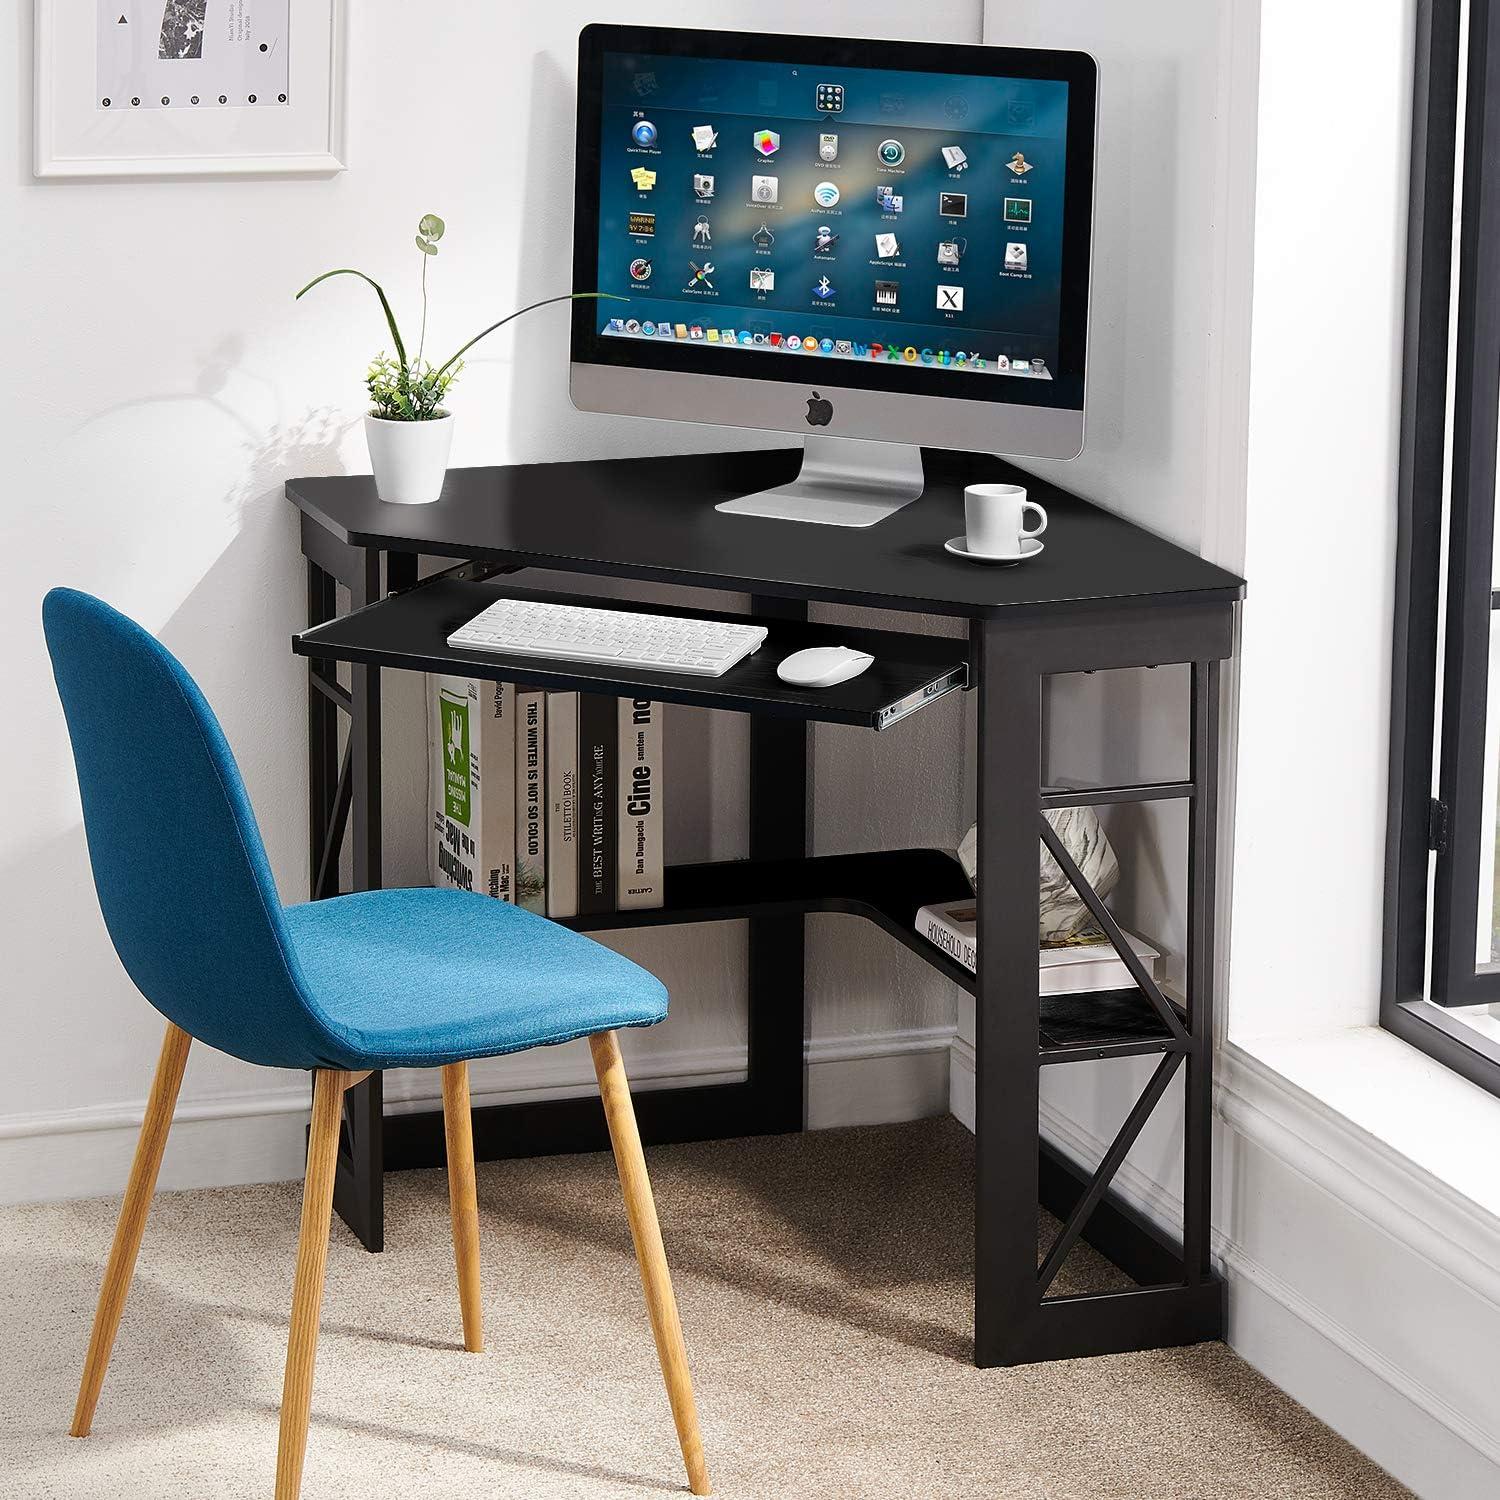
(1363, 1286)
(961, 1083)
(1376, 1266)
(1355, 1389)
(851, 1080)
(879, 1078)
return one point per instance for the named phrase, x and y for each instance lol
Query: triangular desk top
(654, 518)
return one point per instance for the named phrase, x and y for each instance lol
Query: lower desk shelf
(880, 886)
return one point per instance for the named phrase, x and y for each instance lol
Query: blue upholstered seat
(402, 978)
(416, 978)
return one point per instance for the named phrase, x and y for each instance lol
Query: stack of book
(1079, 966)
(549, 800)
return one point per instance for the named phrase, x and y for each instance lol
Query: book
(598, 733)
(471, 752)
(531, 816)
(1074, 968)
(562, 804)
(639, 861)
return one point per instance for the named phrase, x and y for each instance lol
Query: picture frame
(189, 88)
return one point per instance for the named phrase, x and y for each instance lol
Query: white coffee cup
(995, 519)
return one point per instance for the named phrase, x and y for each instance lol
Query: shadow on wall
(544, 262)
(224, 360)
(1140, 321)
(308, 445)
(233, 631)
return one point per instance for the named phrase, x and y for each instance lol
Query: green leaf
(545, 302)
(431, 227)
(424, 247)
(390, 317)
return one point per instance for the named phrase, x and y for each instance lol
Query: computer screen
(878, 216)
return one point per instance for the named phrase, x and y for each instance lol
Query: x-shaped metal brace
(1176, 1050)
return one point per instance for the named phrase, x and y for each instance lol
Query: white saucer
(959, 547)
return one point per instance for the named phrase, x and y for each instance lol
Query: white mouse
(823, 666)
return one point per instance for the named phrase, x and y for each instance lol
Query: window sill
(1399, 1137)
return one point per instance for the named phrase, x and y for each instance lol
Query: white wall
(160, 385)
(1330, 261)
(1165, 434)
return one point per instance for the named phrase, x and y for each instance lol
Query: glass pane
(1481, 1019)
(1487, 929)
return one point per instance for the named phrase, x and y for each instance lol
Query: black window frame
(1431, 837)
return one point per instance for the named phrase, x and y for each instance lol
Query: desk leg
(364, 739)
(778, 830)
(323, 781)
(1006, 1016)
(359, 1180)
(1198, 1104)
(1177, 1298)
(359, 1177)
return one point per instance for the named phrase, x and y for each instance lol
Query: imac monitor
(875, 244)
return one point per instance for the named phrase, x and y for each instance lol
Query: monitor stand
(843, 482)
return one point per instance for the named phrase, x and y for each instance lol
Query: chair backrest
(179, 865)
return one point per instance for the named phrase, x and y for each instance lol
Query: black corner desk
(1104, 595)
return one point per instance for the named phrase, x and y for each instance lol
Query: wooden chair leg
(132, 1223)
(640, 1209)
(307, 1289)
(463, 1199)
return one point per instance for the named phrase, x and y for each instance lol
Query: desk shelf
(410, 631)
(887, 888)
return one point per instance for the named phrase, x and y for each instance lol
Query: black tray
(410, 631)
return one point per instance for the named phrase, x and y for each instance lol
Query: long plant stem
(422, 337)
(546, 301)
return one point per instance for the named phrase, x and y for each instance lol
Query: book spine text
(597, 741)
(531, 822)
(471, 757)
(639, 859)
(562, 804)
(954, 944)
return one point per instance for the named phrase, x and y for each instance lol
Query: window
(1442, 960)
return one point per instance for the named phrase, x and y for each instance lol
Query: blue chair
(383, 979)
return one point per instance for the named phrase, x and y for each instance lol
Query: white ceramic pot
(409, 459)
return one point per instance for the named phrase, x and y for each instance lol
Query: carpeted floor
(824, 1286)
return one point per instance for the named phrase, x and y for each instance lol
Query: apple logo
(819, 411)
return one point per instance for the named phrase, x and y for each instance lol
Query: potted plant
(408, 429)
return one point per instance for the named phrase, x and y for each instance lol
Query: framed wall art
(189, 88)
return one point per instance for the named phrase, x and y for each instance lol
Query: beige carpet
(824, 1285)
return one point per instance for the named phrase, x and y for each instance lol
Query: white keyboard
(608, 637)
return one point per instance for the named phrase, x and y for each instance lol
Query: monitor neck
(843, 482)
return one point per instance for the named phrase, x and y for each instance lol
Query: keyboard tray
(409, 632)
